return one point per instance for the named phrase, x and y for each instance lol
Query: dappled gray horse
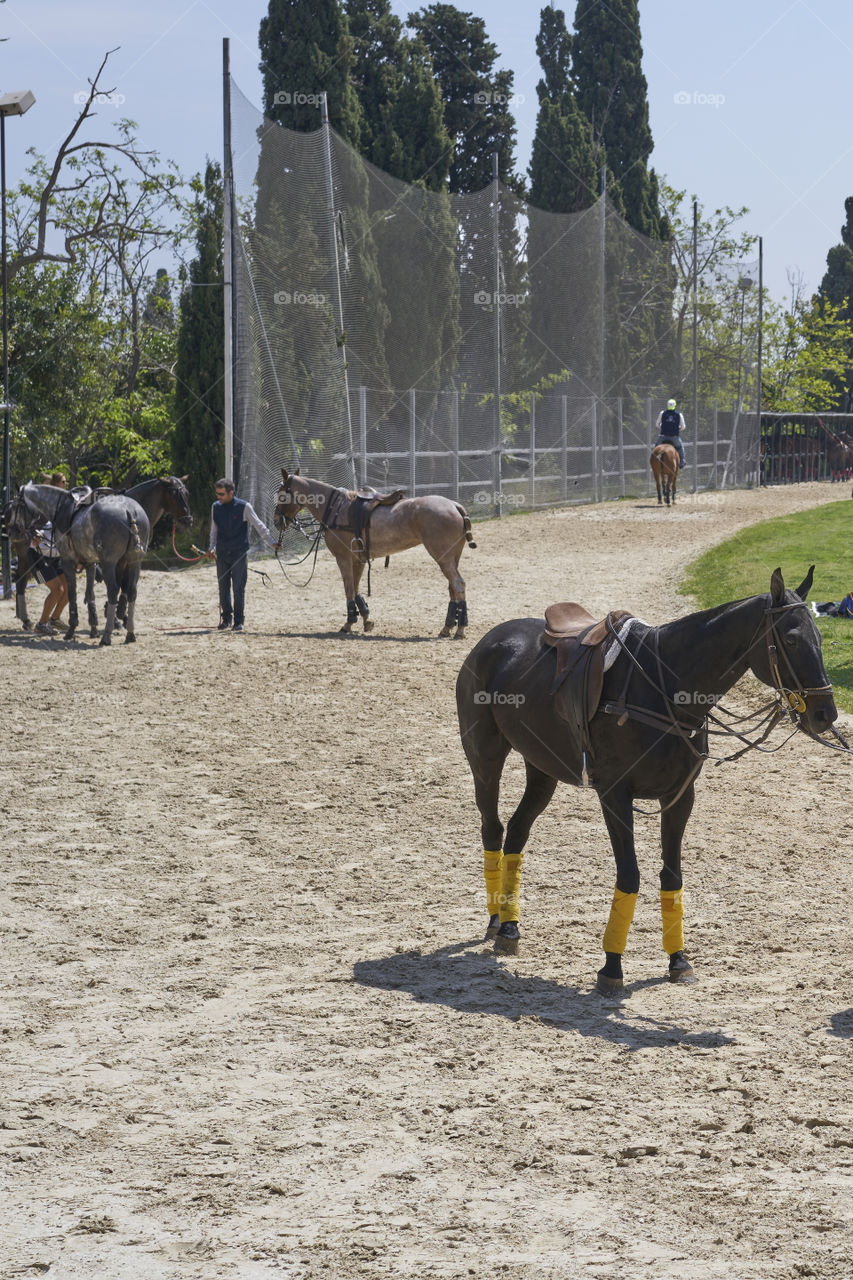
(112, 533)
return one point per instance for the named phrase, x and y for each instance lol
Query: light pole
(11, 104)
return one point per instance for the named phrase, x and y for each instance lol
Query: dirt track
(249, 1029)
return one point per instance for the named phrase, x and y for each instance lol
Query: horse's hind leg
(486, 750)
(89, 599)
(457, 609)
(672, 824)
(537, 796)
(109, 572)
(129, 593)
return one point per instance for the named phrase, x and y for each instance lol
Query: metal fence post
(454, 411)
(564, 450)
(594, 467)
(413, 444)
(714, 481)
(362, 433)
(648, 443)
(532, 470)
(621, 449)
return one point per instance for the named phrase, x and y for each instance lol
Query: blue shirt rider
(670, 425)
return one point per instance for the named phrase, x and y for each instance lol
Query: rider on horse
(670, 424)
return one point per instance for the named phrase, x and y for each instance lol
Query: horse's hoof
(445, 631)
(368, 625)
(607, 986)
(105, 640)
(494, 926)
(93, 633)
(69, 635)
(346, 629)
(507, 939)
(130, 638)
(27, 625)
(680, 968)
(459, 634)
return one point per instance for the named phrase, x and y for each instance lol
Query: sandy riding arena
(250, 1028)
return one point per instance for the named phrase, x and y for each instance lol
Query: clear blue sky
(766, 124)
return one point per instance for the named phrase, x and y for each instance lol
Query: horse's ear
(184, 479)
(777, 588)
(284, 475)
(806, 585)
(296, 472)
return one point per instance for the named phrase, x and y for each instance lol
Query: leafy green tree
(197, 445)
(612, 94)
(807, 351)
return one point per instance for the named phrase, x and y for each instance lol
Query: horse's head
(287, 503)
(786, 653)
(176, 500)
(20, 519)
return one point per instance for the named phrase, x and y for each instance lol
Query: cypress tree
(197, 444)
(563, 258)
(307, 49)
(612, 94)
(836, 288)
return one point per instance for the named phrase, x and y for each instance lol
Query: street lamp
(11, 104)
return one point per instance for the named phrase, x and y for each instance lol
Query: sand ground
(249, 1026)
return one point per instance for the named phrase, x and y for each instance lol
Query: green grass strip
(742, 567)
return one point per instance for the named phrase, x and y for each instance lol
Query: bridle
(796, 694)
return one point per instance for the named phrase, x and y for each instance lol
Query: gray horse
(112, 533)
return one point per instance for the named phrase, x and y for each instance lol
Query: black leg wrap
(361, 605)
(452, 614)
(462, 613)
(352, 611)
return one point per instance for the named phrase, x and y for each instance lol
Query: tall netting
(471, 345)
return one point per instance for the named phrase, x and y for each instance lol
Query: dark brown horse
(647, 739)
(664, 463)
(437, 523)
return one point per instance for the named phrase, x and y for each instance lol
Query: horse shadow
(371, 636)
(32, 640)
(463, 977)
(842, 1024)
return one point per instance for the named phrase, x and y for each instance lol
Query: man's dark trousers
(232, 568)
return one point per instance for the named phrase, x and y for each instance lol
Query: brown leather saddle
(580, 641)
(362, 508)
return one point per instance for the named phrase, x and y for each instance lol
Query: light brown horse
(437, 523)
(664, 463)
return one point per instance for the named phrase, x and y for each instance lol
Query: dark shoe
(238, 626)
(223, 626)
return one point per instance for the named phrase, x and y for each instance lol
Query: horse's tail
(466, 524)
(134, 532)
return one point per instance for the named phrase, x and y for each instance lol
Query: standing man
(670, 425)
(230, 518)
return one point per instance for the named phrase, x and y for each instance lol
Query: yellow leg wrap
(672, 914)
(492, 872)
(621, 915)
(510, 887)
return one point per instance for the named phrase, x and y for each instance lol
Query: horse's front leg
(69, 568)
(672, 824)
(89, 598)
(346, 564)
(619, 817)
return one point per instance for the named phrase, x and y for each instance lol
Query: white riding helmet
(670, 404)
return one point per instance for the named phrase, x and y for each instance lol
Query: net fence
(391, 336)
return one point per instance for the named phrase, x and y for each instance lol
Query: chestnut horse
(437, 523)
(664, 463)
